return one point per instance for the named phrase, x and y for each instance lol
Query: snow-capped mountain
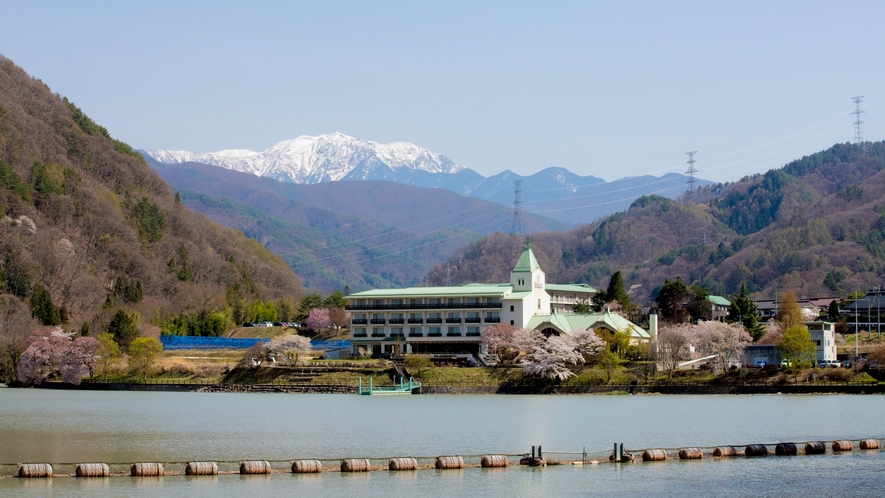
(556, 192)
(323, 158)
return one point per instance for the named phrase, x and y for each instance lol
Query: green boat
(402, 388)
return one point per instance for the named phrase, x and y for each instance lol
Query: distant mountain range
(335, 234)
(554, 192)
(815, 227)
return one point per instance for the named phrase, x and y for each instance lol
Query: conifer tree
(743, 309)
(42, 307)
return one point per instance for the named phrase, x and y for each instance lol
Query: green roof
(567, 323)
(719, 300)
(577, 288)
(527, 262)
(518, 295)
(459, 290)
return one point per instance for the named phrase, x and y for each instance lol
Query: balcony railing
(377, 321)
(453, 334)
(416, 320)
(359, 321)
(377, 335)
(474, 319)
(396, 321)
(473, 334)
(434, 334)
(453, 320)
(443, 306)
(434, 320)
(493, 319)
(360, 335)
(398, 337)
(416, 334)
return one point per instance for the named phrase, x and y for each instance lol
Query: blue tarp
(196, 342)
(330, 345)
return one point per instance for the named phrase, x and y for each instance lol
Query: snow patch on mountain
(317, 159)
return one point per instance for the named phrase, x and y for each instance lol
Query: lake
(67, 427)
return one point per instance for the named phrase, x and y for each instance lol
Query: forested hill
(815, 226)
(86, 220)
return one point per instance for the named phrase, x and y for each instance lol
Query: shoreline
(736, 389)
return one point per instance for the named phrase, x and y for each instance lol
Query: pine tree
(123, 328)
(743, 309)
(42, 307)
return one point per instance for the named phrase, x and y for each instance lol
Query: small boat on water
(402, 388)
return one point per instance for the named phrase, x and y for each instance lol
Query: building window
(511, 308)
(472, 331)
(396, 331)
(511, 322)
(434, 332)
(415, 332)
(415, 302)
(454, 331)
(378, 332)
(359, 332)
(539, 304)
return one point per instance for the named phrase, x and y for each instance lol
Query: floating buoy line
(537, 458)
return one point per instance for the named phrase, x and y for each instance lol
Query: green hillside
(815, 226)
(85, 221)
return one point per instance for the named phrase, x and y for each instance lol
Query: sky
(609, 89)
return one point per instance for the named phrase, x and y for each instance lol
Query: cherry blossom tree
(42, 357)
(78, 360)
(550, 358)
(726, 340)
(290, 347)
(319, 319)
(525, 340)
(497, 338)
(587, 342)
(673, 345)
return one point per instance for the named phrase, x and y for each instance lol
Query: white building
(450, 319)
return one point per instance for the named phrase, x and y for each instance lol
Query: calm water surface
(65, 427)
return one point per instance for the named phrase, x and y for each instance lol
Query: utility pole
(517, 210)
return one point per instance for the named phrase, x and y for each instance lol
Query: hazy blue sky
(610, 89)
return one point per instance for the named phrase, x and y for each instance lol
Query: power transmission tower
(691, 172)
(517, 211)
(858, 121)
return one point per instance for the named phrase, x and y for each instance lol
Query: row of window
(431, 301)
(417, 332)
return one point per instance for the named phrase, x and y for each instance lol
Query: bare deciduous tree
(16, 325)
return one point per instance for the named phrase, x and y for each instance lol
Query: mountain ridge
(338, 157)
(815, 226)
